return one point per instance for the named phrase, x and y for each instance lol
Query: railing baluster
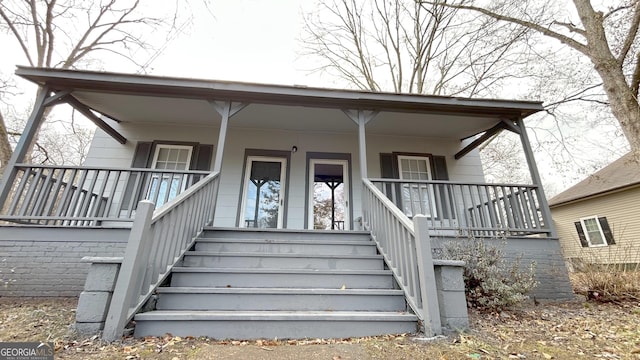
(532, 195)
(479, 209)
(33, 186)
(17, 195)
(154, 197)
(98, 196)
(55, 196)
(507, 207)
(77, 194)
(137, 186)
(493, 220)
(515, 207)
(112, 191)
(44, 190)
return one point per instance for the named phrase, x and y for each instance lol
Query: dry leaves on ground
(567, 330)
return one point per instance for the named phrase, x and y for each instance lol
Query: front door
(263, 192)
(328, 194)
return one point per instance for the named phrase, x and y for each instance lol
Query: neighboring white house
(597, 219)
(265, 156)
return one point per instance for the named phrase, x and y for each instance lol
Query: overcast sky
(241, 40)
(237, 40)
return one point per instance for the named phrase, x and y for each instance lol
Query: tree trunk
(623, 104)
(622, 101)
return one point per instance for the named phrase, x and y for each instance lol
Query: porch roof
(144, 98)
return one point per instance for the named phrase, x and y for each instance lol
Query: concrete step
(279, 278)
(282, 261)
(273, 324)
(262, 246)
(285, 234)
(260, 299)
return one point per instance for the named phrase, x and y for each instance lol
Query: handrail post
(131, 273)
(427, 278)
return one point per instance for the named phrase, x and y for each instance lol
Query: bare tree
(68, 33)
(5, 147)
(403, 46)
(606, 34)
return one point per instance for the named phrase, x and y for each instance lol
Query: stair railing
(157, 241)
(406, 248)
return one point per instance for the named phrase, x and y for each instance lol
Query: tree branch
(635, 78)
(16, 34)
(572, 28)
(528, 24)
(631, 34)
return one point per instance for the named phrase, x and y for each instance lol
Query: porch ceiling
(136, 98)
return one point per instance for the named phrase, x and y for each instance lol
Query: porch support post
(226, 109)
(29, 133)
(535, 177)
(361, 118)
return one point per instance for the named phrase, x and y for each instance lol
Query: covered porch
(175, 158)
(365, 136)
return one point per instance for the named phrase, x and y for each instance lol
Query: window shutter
(439, 166)
(608, 235)
(439, 172)
(142, 155)
(583, 238)
(386, 166)
(389, 170)
(141, 159)
(202, 157)
(201, 160)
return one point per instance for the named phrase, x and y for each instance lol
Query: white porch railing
(157, 241)
(87, 196)
(470, 208)
(406, 249)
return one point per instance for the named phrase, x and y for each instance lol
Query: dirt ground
(567, 330)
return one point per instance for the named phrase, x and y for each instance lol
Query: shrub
(491, 281)
(604, 282)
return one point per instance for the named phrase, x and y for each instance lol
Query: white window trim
(169, 146)
(430, 193)
(157, 177)
(427, 159)
(586, 233)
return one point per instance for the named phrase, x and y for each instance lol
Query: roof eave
(275, 94)
(595, 195)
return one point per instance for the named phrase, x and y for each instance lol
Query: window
(594, 231)
(417, 198)
(165, 186)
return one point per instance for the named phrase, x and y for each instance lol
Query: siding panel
(621, 210)
(107, 152)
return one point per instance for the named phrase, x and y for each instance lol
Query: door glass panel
(263, 194)
(329, 206)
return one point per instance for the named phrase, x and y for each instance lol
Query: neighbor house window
(594, 231)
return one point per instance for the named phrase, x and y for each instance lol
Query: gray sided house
(249, 210)
(597, 219)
